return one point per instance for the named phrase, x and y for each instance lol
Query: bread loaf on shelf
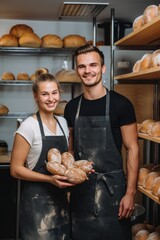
(74, 41)
(138, 23)
(3, 110)
(19, 30)
(155, 130)
(155, 186)
(145, 125)
(148, 181)
(23, 76)
(8, 76)
(145, 62)
(8, 40)
(143, 172)
(150, 13)
(155, 59)
(136, 66)
(67, 76)
(51, 41)
(31, 40)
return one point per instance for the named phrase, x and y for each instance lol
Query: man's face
(89, 68)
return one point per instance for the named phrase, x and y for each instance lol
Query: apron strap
(60, 127)
(40, 124)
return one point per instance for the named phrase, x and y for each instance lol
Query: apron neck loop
(40, 124)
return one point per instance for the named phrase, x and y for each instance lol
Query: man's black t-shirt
(121, 112)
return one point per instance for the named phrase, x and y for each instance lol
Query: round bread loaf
(67, 159)
(74, 41)
(154, 236)
(60, 108)
(84, 165)
(136, 67)
(138, 23)
(33, 77)
(138, 227)
(3, 110)
(155, 130)
(8, 76)
(67, 76)
(75, 175)
(55, 168)
(51, 41)
(23, 76)
(19, 30)
(142, 235)
(31, 40)
(148, 181)
(155, 186)
(8, 40)
(145, 125)
(54, 155)
(155, 59)
(146, 61)
(143, 172)
(150, 13)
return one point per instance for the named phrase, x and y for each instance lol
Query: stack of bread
(149, 14)
(150, 127)
(65, 165)
(149, 178)
(145, 231)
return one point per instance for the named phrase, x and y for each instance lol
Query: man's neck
(94, 92)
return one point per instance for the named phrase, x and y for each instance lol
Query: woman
(43, 205)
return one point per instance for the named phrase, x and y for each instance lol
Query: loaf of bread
(145, 125)
(55, 168)
(148, 181)
(142, 235)
(75, 175)
(19, 30)
(84, 165)
(155, 186)
(155, 130)
(8, 40)
(138, 23)
(138, 227)
(54, 155)
(8, 76)
(155, 59)
(154, 236)
(136, 66)
(23, 76)
(143, 172)
(67, 76)
(67, 160)
(74, 41)
(150, 13)
(60, 108)
(51, 41)
(145, 62)
(3, 109)
(31, 40)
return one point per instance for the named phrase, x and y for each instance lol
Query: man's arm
(130, 141)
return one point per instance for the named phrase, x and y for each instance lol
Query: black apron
(95, 203)
(44, 211)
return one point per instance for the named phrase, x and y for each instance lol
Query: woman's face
(48, 96)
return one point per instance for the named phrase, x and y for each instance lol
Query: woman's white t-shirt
(29, 129)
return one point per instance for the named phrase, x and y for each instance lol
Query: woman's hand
(60, 181)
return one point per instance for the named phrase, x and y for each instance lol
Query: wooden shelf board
(149, 194)
(148, 74)
(146, 137)
(148, 34)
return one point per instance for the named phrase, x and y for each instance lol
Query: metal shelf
(16, 115)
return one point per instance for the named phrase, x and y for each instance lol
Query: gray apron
(95, 203)
(44, 212)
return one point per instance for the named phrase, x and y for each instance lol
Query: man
(100, 121)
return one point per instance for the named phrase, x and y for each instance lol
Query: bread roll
(23, 76)
(138, 23)
(54, 155)
(31, 40)
(3, 110)
(145, 125)
(74, 41)
(145, 62)
(155, 186)
(33, 77)
(155, 59)
(136, 67)
(8, 76)
(51, 41)
(154, 236)
(148, 181)
(19, 30)
(60, 108)
(150, 13)
(67, 76)
(75, 175)
(55, 168)
(142, 235)
(84, 165)
(155, 130)
(67, 160)
(8, 40)
(138, 227)
(143, 172)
